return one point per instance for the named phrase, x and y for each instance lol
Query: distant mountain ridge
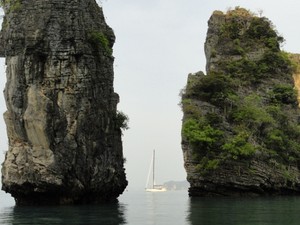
(176, 185)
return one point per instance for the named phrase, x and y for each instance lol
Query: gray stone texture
(64, 139)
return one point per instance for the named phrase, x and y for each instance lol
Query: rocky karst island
(63, 126)
(241, 124)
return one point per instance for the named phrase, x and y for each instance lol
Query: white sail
(150, 172)
(151, 186)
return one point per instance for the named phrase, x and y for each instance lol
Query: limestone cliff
(62, 123)
(295, 58)
(241, 131)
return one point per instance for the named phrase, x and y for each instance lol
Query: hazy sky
(158, 43)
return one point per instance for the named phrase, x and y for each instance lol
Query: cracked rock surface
(65, 142)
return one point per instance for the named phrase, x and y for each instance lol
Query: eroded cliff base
(49, 198)
(244, 179)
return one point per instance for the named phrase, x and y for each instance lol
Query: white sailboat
(151, 186)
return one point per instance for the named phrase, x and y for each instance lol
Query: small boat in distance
(151, 186)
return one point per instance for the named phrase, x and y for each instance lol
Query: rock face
(63, 126)
(241, 130)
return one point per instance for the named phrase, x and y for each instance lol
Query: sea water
(165, 208)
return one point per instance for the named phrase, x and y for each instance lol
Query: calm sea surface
(174, 207)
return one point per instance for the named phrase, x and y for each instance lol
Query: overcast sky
(158, 43)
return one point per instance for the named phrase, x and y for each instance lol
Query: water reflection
(112, 214)
(244, 211)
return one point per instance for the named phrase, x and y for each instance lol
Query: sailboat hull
(156, 190)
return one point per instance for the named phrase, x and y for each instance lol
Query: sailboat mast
(153, 168)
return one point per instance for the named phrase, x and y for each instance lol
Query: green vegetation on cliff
(246, 106)
(99, 41)
(14, 5)
(122, 120)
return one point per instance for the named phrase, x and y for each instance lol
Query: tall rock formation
(63, 126)
(241, 127)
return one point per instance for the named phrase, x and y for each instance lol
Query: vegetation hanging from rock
(245, 110)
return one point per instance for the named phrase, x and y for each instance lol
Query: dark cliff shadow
(244, 211)
(106, 214)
